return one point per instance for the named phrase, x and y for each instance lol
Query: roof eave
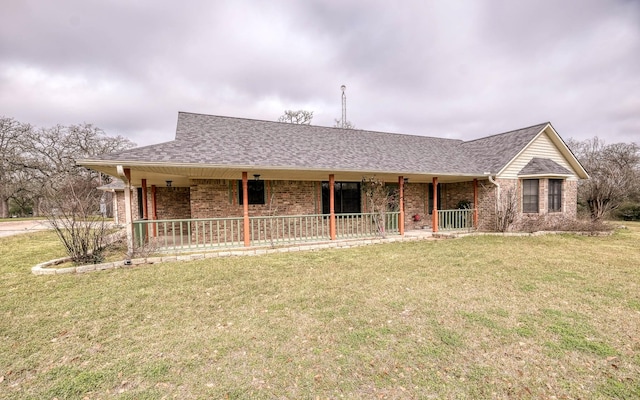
(545, 175)
(504, 167)
(107, 165)
(561, 145)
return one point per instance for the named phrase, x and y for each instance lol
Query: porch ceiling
(181, 175)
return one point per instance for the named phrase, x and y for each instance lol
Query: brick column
(245, 209)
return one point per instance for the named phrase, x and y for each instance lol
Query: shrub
(72, 212)
(628, 212)
(546, 223)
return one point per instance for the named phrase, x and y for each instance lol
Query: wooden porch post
(475, 203)
(128, 216)
(434, 213)
(145, 208)
(154, 210)
(332, 205)
(401, 217)
(245, 209)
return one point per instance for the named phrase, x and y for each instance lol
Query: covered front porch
(183, 210)
(213, 233)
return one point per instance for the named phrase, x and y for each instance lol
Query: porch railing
(366, 225)
(288, 228)
(200, 233)
(450, 220)
(190, 233)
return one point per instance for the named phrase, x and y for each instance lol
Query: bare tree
(72, 212)
(615, 174)
(301, 117)
(12, 160)
(507, 210)
(380, 199)
(38, 170)
(347, 124)
(52, 153)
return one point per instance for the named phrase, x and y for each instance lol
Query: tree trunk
(36, 207)
(4, 208)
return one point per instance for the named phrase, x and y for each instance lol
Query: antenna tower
(344, 106)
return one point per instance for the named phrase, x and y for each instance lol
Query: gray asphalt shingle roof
(494, 152)
(216, 140)
(543, 166)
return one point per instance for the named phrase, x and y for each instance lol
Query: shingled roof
(543, 166)
(494, 152)
(219, 141)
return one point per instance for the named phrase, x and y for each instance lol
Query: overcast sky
(457, 69)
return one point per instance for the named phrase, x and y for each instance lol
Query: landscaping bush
(628, 212)
(544, 223)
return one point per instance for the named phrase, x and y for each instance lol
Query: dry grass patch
(479, 317)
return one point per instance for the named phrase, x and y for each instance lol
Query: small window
(555, 195)
(530, 195)
(256, 192)
(347, 197)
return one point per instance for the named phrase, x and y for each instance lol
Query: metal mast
(344, 106)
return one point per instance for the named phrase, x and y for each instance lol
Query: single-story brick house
(303, 182)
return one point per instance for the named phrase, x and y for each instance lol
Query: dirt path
(8, 227)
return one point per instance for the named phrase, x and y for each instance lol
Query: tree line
(38, 163)
(613, 189)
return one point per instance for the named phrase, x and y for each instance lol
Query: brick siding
(214, 198)
(219, 199)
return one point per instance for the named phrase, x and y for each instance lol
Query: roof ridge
(321, 126)
(505, 133)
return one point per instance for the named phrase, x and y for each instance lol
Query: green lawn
(478, 317)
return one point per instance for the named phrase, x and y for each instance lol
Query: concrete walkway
(10, 228)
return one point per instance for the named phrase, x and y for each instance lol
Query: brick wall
(207, 198)
(570, 200)
(417, 201)
(171, 203)
(211, 198)
(291, 198)
(538, 220)
(454, 193)
(119, 206)
(415, 195)
(513, 187)
(219, 198)
(486, 205)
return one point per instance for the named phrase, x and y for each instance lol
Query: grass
(22, 219)
(479, 317)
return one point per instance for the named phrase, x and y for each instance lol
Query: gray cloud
(455, 69)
